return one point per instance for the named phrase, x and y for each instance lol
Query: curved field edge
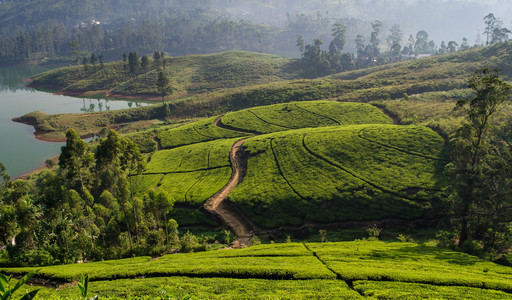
(232, 288)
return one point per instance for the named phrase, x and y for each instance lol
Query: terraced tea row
(346, 270)
(191, 174)
(197, 132)
(331, 174)
(280, 117)
(231, 288)
(407, 262)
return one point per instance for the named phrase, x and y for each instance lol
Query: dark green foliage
(6, 291)
(480, 158)
(163, 85)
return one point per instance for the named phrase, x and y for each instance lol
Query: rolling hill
(318, 161)
(189, 75)
(427, 88)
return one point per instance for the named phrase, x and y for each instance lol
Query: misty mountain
(37, 30)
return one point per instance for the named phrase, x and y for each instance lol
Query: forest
(32, 31)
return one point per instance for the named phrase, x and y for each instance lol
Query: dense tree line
(481, 168)
(320, 62)
(86, 208)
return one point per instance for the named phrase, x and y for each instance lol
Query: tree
(452, 46)
(77, 54)
(374, 39)
(144, 64)
(464, 45)
(101, 59)
(300, 44)
(74, 160)
(84, 63)
(470, 153)
(117, 158)
(338, 33)
(163, 85)
(490, 23)
(133, 62)
(94, 59)
(421, 45)
(494, 30)
(394, 36)
(156, 58)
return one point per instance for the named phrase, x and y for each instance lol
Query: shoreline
(25, 176)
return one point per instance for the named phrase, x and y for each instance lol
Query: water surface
(20, 152)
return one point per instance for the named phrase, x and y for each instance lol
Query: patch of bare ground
(219, 206)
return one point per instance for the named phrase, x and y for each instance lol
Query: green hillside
(196, 132)
(434, 82)
(344, 270)
(188, 75)
(192, 173)
(345, 173)
(282, 117)
(339, 171)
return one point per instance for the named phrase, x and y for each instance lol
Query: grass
(188, 74)
(435, 111)
(339, 174)
(203, 92)
(194, 188)
(346, 270)
(290, 261)
(402, 290)
(190, 174)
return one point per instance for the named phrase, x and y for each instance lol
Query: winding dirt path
(219, 206)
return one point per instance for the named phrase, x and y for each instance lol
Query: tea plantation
(341, 174)
(320, 161)
(280, 117)
(343, 270)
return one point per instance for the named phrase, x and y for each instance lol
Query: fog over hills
(444, 20)
(34, 30)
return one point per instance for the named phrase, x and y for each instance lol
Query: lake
(20, 151)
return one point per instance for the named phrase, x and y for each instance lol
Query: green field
(280, 117)
(345, 270)
(333, 174)
(191, 174)
(344, 172)
(197, 132)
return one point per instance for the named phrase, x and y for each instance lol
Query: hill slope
(193, 74)
(438, 80)
(338, 171)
